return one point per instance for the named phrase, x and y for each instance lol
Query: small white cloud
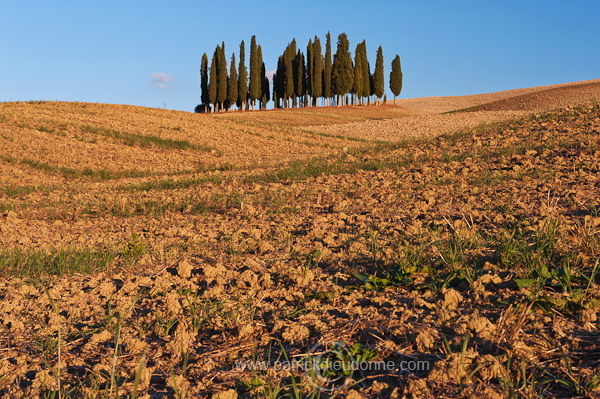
(160, 79)
(270, 75)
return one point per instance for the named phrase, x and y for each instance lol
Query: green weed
(264, 384)
(311, 261)
(533, 254)
(134, 250)
(398, 276)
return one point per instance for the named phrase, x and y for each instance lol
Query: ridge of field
(438, 105)
(554, 97)
(476, 253)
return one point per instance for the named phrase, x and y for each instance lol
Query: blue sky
(148, 52)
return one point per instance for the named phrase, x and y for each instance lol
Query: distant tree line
(300, 79)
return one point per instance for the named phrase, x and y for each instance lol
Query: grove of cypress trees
(327, 71)
(232, 88)
(396, 77)
(379, 77)
(243, 79)
(298, 78)
(204, 82)
(342, 76)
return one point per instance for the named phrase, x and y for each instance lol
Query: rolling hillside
(157, 253)
(128, 141)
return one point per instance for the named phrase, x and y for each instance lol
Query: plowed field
(441, 247)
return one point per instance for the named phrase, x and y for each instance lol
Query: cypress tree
(221, 77)
(358, 72)
(317, 71)
(343, 71)
(255, 80)
(300, 77)
(243, 79)
(232, 88)
(372, 92)
(366, 69)
(289, 71)
(379, 77)
(396, 77)
(204, 82)
(279, 83)
(327, 71)
(266, 93)
(274, 94)
(262, 77)
(212, 88)
(362, 76)
(309, 69)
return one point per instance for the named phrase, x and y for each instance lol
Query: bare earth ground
(466, 242)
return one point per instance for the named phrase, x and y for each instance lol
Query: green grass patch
(66, 172)
(172, 184)
(70, 173)
(193, 203)
(103, 174)
(35, 263)
(342, 137)
(18, 191)
(45, 129)
(362, 159)
(297, 171)
(141, 140)
(6, 206)
(292, 129)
